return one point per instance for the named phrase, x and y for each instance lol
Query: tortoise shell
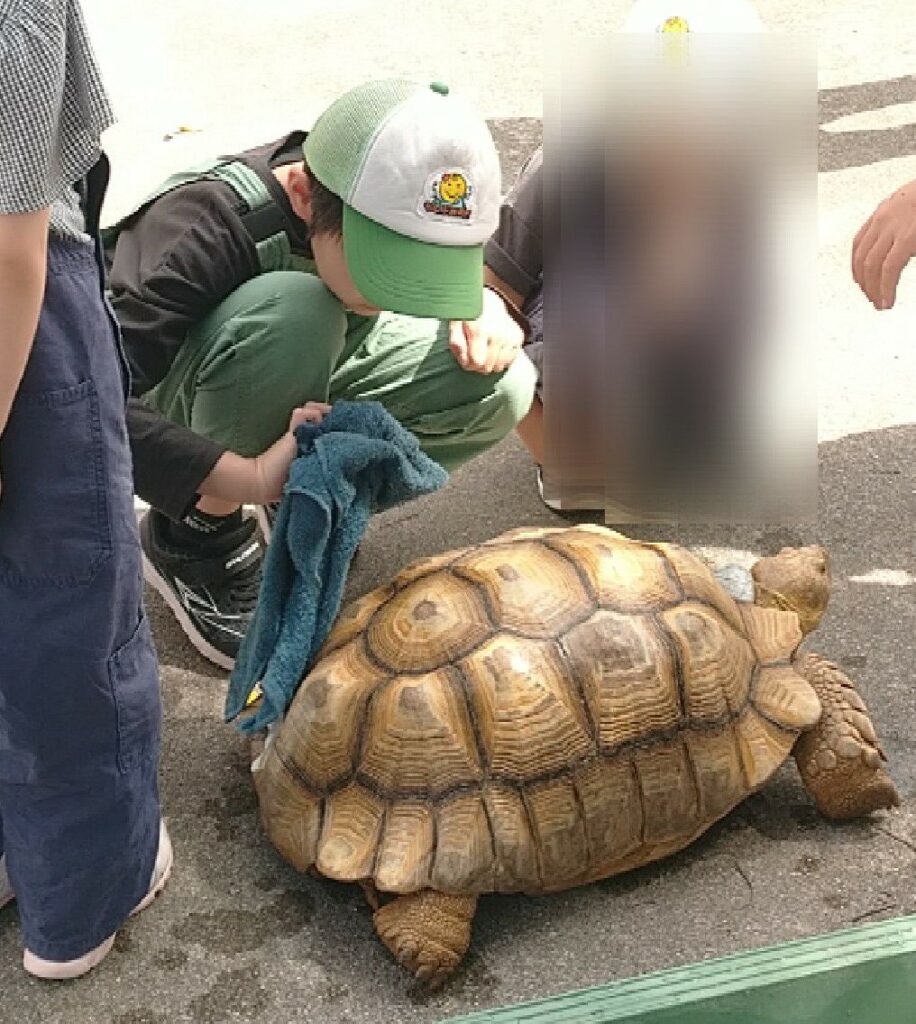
(545, 709)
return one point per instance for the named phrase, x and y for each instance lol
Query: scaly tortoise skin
(547, 709)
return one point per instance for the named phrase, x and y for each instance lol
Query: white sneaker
(6, 890)
(63, 970)
(585, 501)
(614, 515)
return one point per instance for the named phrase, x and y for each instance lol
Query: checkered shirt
(53, 109)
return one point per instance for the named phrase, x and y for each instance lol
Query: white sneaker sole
(614, 515)
(199, 643)
(67, 970)
(556, 505)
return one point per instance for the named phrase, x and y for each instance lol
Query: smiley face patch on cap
(448, 193)
(693, 16)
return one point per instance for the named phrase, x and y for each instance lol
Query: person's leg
(268, 348)
(80, 856)
(531, 428)
(405, 363)
(531, 431)
(79, 690)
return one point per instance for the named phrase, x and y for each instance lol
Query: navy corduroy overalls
(79, 689)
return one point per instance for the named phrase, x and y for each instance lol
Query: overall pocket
(54, 527)
(133, 672)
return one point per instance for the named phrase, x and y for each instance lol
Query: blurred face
(328, 251)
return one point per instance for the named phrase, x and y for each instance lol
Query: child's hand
(272, 468)
(491, 342)
(884, 245)
(311, 412)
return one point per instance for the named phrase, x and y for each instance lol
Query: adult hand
(883, 247)
(272, 467)
(490, 343)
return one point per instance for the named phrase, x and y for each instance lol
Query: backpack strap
(263, 219)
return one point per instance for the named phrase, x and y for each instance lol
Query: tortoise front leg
(428, 932)
(840, 761)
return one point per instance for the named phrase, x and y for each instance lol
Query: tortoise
(547, 709)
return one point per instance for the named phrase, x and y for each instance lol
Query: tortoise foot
(428, 932)
(371, 893)
(839, 759)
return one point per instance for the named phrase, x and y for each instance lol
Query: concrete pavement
(239, 936)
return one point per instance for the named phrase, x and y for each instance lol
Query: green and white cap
(693, 16)
(418, 172)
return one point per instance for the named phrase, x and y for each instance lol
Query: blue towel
(357, 461)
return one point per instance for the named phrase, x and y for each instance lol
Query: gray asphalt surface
(239, 936)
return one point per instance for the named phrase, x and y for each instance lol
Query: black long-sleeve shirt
(172, 264)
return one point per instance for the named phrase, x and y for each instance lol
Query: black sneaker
(212, 588)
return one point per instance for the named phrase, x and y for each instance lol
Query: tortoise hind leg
(839, 759)
(428, 932)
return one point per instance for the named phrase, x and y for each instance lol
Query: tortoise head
(798, 580)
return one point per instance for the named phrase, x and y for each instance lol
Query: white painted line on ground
(885, 578)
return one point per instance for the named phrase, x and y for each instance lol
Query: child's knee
(304, 300)
(262, 331)
(514, 393)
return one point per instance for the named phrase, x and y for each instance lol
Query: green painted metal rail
(865, 974)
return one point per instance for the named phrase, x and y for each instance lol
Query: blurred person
(666, 285)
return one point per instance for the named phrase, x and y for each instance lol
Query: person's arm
(884, 245)
(170, 461)
(52, 114)
(513, 265)
(260, 480)
(490, 343)
(174, 467)
(23, 266)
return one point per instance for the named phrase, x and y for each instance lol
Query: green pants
(283, 339)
